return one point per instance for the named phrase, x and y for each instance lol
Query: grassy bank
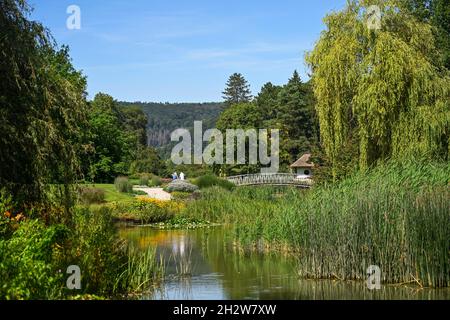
(395, 216)
(34, 257)
(142, 210)
(112, 195)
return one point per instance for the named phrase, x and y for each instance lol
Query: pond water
(201, 265)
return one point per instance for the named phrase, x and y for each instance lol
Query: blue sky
(184, 51)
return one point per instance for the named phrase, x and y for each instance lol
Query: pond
(201, 264)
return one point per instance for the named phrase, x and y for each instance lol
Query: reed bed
(396, 216)
(142, 270)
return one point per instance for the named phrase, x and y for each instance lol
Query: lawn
(112, 195)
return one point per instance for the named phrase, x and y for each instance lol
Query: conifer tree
(237, 90)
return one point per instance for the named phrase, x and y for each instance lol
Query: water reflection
(201, 264)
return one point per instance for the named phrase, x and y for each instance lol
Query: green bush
(123, 184)
(155, 181)
(97, 250)
(29, 262)
(144, 179)
(139, 193)
(34, 258)
(181, 186)
(6, 207)
(211, 181)
(178, 195)
(90, 195)
(144, 210)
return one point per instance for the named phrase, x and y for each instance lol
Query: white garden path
(154, 193)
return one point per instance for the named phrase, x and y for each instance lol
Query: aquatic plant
(394, 216)
(142, 270)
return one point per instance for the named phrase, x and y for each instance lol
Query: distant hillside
(167, 117)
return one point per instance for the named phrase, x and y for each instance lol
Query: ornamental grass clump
(123, 184)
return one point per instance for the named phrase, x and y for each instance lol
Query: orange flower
(8, 214)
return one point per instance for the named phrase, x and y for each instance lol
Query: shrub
(90, 195)
(146, 210)
(211, 180)
(144, 179)
(178, 195)
(6, 209)
(34, 258)
(28, 264)
(155, 181)
(97, 250)
(122, 184)
(139, 193)
(181, 186)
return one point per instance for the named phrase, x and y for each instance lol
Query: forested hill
(163, 118)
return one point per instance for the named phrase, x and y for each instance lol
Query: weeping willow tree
(381, 90)
(42, 102)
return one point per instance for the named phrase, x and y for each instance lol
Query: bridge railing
(269, 179)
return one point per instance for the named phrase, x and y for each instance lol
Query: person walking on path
(182, 176)
(174, 176)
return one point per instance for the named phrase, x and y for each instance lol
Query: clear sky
(184, 51)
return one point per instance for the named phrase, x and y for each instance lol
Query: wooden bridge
(273, 179)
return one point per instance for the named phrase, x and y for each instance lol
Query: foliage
(145, 210)
(179, 195)
(144, 179)
(182, 222)
(123, 184)
(89, 195)
(43, 104)
(117, 138)
(288, 108)
(29, 262)
(394, 216)
(112, 195)
(382, 87)
(155, 181)
(437, 13)
(237, 90)
(147, 160)
(142, 270)
(34, 259)
(181, 186)
(190, 171)
(211, 180)
(97, 250)
(294, 116)
(163, 118)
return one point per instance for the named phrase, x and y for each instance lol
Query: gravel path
(155, 193)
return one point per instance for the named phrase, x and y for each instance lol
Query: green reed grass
(395, 216)
(143, 269)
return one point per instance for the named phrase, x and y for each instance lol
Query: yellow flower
(19, 217)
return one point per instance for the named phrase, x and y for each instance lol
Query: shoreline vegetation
(394, 216)
(68, 164)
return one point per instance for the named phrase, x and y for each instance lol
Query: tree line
(50, 133)
(373, 94)
(289, 108)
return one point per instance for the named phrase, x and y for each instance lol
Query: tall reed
(395, 216)
(143, 269)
